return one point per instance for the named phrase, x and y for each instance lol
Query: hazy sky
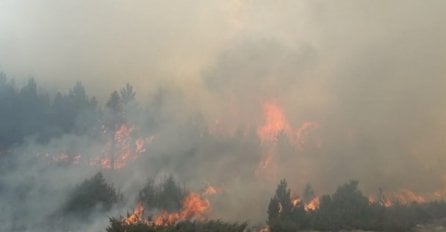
(106, 43)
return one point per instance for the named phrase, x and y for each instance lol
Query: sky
(147, 42)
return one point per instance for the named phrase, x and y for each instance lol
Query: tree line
(348, 209)
(31, 112)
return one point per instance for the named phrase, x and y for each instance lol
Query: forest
(30, 114)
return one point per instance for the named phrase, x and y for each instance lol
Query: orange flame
(116, 153)
(136, 216)
(303, 132)
(402, 196)
(295, 201)
(313, 204)
(275, 123)
(194, 208)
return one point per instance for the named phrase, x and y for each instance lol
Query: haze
(370, 74)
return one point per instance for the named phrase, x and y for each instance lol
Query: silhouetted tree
(308, 193)
(114, 103)
(168, 195)
(93, 193)
(127, 94)
(282, 215)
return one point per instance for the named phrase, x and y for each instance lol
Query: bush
(185, 226)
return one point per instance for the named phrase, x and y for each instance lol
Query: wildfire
(312, 205)
(383, 201)
(406, 196)
(122, 148)
(275, 123)
(194, 208)
(402, 196)
(295, 201)
(119, 149)
(136, 216)
(210, 190)
(303, 132)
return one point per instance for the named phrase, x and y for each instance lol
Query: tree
(347, 208)
(114, 103)
(308, 194)
(148, 194)
(9, 133)
(171, 195)
(90, 194)
(127, 94)
(282, 215)
(167, 195)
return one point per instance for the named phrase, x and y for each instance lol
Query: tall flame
(275, 123)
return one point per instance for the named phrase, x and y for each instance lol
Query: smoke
(371, 74)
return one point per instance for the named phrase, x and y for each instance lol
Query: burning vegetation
(349, 209)
(167, 206)
(239, 163)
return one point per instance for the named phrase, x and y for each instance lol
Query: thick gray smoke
(370, 74)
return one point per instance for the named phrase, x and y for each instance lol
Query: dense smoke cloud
(369, 74)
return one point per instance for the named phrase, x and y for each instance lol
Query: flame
(313, 204)
(406, 196)
(136, 216)
(267, 167)
(295, 201)
(121, 149)
(275, 123)
(280, 207)
(194, 208)
(210, 190)
(117, 152)
(303, 132)
(402, 196)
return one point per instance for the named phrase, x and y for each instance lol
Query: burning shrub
(90, 194)
(346, 209)
(184, 226)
